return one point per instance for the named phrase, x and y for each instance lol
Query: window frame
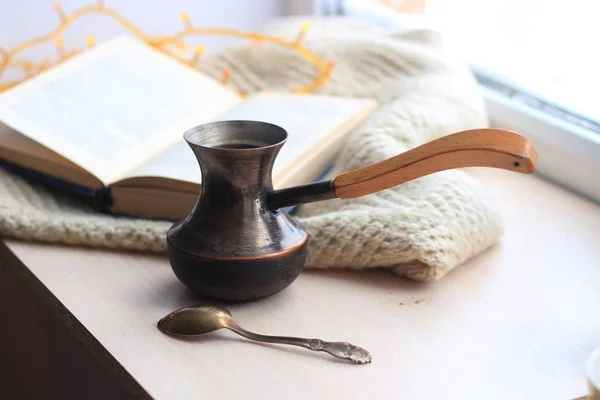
(568, 144)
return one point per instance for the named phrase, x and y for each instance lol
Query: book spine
(99, 199)
(102, 200)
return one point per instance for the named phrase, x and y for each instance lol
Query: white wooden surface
(514, 323)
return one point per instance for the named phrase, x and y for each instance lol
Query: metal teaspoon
(200, 319)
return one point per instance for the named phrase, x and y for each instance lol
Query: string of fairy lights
(9, 59)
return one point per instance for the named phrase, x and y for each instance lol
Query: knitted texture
(421, 229)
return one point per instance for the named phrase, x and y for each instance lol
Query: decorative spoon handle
(343, 350)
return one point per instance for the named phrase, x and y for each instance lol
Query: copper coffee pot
(238, 244)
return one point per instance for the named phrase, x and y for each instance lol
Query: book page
(11, 140)
(308, 119)
(176, 162)
(113, 107)
(23, 152)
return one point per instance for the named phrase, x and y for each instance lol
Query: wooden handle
(495, 148)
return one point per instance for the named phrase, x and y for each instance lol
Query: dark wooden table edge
(96, 352)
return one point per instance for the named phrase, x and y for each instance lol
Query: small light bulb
(185, 18)
(226, 75)
(256, 37)
(198, 50)
(305, 27)
(60, 45)
(90, 41)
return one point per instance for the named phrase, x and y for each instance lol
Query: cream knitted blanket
(421, 229)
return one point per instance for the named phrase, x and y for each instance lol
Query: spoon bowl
(195, 320)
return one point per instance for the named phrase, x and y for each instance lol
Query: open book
(111, 120)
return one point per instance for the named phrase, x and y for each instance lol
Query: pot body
(232, 246)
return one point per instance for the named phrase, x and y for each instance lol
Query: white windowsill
(568, 154)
